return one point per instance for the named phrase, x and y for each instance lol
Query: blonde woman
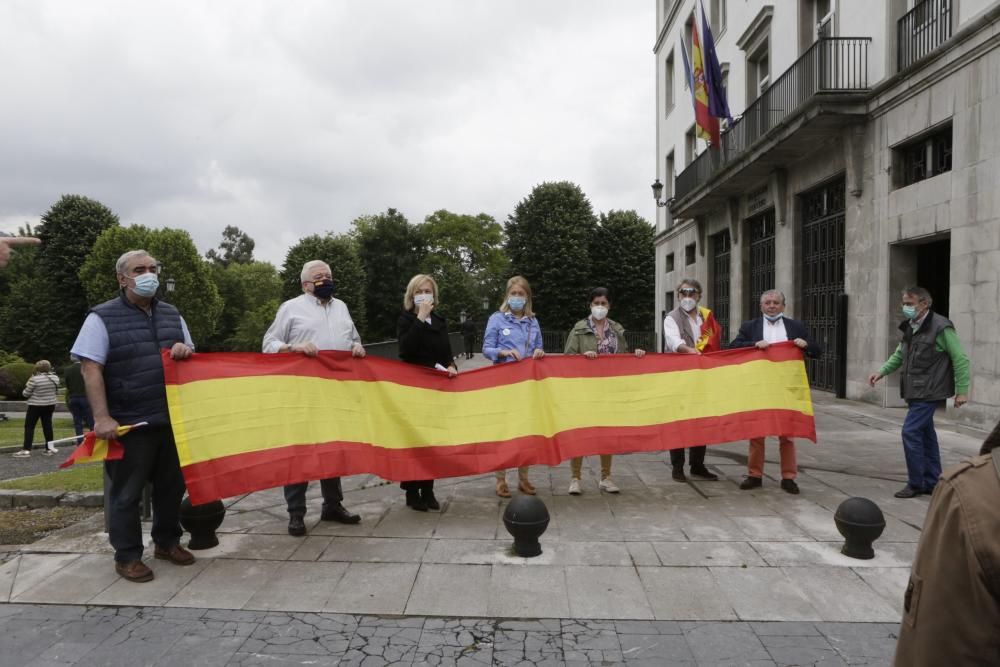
(423, 340)
(41, 392)
(512, 334)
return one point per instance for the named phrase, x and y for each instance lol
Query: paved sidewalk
(670, 558)
(37, 635)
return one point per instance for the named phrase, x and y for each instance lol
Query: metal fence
(921, 30)
(831, 64)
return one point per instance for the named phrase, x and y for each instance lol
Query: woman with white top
(41, 391)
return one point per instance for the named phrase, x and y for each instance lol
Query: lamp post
(171, 285)
(657, 191)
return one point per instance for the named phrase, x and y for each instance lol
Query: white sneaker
(50, 450)
(22, 454)
(574, 487)
(608, 486)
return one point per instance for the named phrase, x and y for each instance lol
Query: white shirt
(672, 332)
(774, 332)
(93, 343)
(306, 319)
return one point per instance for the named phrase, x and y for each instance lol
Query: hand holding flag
(94, 449)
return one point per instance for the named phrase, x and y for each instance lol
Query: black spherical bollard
(202, 521)
(861, 522)
(526, 518)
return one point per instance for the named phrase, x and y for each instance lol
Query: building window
(724, 122)
(759, 70)
(688, 41)
(690, 146)
(669, 176)
(823, 16)
(923, 157)
(689, 254)
(718, 17)
(668, 83)
(668, 301)
(669, 263)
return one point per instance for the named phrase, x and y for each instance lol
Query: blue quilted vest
(133, 372)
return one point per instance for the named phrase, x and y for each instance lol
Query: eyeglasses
(688, 291)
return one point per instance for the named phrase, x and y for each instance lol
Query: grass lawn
(12, 431)
(86, 477)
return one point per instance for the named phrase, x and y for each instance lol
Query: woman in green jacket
(593, 336)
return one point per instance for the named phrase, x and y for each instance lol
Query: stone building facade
(864, 157)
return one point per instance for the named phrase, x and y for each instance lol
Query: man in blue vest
(119, 348)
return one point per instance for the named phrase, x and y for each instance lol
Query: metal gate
(823, 276)
(719, 305)
(761, 236)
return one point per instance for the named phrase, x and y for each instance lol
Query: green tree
(20, 309)
(243, 288)
(341, 253)
(249, 333)
(236, 248)
(548, 242)
(195, 295)
(391, 252)
(622, 258)
(58, 303)
(466, 257)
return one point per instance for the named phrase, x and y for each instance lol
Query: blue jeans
(150, 454)
(920, 445)
(79, 407)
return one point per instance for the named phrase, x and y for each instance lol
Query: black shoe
(678, 475)
(296, 526)
(907, 492)
(414, 501)
(751, 483)
(702, 472)
(339, 514)
(427, 496)
(790, 486)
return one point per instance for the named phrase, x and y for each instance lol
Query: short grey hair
(308, 267)
(689, 281)
(773, 291)
(122, 264)
(919, 292)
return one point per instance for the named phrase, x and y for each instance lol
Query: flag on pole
(718, 105)
(707, 125)
(246, 421)
(94, 449)
(688, 76)
(711, 333)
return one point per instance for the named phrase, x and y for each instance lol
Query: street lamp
(486, 303)
(657, 191)
(171, 284)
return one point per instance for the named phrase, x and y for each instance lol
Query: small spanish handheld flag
(94, 449)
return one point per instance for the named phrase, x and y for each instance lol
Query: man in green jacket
(933, 368)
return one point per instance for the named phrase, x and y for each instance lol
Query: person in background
(42, 394)
(513, 334)
(423, 340)
(934, 368)
(8, 242)
(773, 327)
(690, 328)
(76, 398)
(313, 321)
(468, 336)
(593, 336)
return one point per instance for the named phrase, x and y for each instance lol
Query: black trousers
(150, 455)
(31, 418)
(295, 495)
(697, 457)
(418, 485)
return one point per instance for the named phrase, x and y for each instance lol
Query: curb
(11, 498)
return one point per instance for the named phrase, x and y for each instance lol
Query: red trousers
(755, 462)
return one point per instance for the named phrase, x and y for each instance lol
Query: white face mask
(599, 312)
(419, 299)
(688, 304)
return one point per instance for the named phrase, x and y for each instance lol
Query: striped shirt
(42, 389)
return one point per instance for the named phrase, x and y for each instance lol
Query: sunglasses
(687, 290)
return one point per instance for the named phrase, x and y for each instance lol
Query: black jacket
(422, 343)
(752, 331)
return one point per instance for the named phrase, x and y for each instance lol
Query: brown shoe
(176, 554)
(524, 486)
(502, 489)
(135, 570)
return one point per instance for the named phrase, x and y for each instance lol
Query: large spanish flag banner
(245, 422)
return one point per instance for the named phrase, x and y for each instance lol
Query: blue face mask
(516, 303)
(146, 285)
(773, 318)
(909, 312)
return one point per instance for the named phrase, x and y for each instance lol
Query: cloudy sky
(293, 118)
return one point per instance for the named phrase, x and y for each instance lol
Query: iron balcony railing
(921, 30)
(830, 65)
